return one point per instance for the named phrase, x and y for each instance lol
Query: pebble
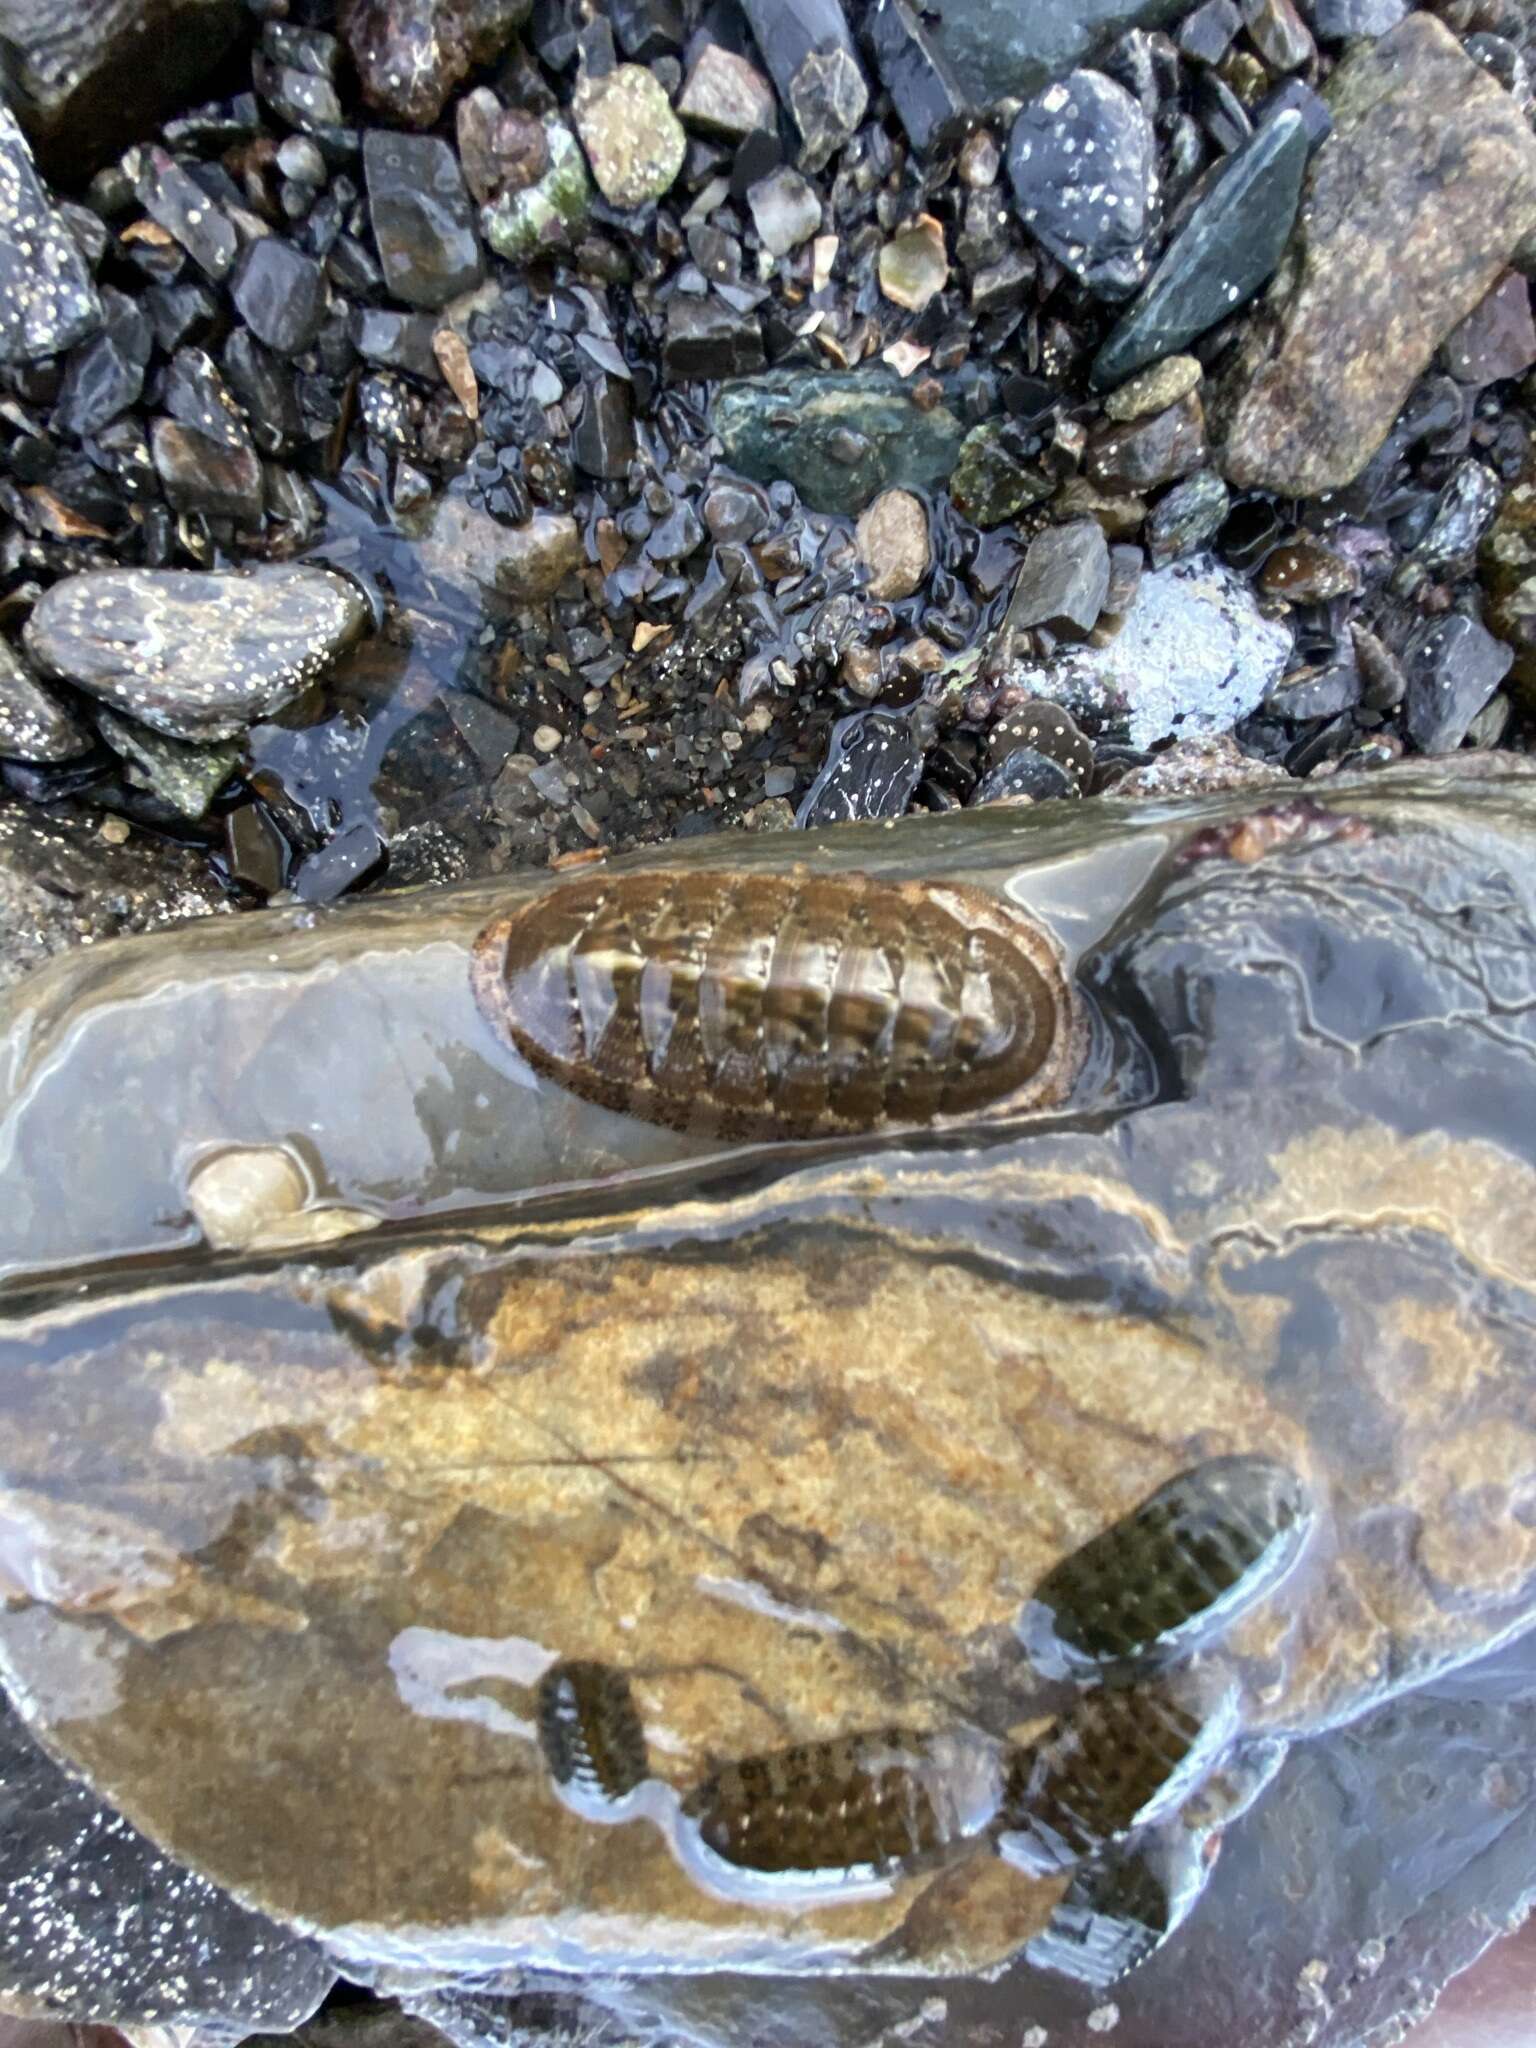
(1463, 514)
(1064, 581)
(203, 473)
(1303, 571)
(1341, 21)
(423, 221)
(1498, 337)
(914, 267)
(928, 100)
(280, 294)
(785, 211)
(705, 338)
(1145, 452)
(811, 59)
(174, 199)
(525, 563)
(47, 299)
(235, 1194)
(892, 542)
(1419, 198)
(34, 726)
(726, 97)
(1226, 250)
(1024, 773)
(1187, 517)
(100, 381)
(410, 54)
(1453, 666)
(1002, 51)
(872, 768)
(633, 140)
(992, 480)
(1194, 655)
(1279, 34)
(549, 213)
(1083, 161)
(195, 654)
(1154, 389)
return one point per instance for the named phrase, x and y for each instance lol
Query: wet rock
(396, 341)
(705, 338)
(785, 211)
(423, 221)
(524, 564)
(172, 198)
(929, 101)
(994, 478)
(1305, 571)
(1193, 656)
(351, 857)
(1146, 452)
(1153, 390)
(200, 473)
(1208, 31)
(1083, 161)
(1310, 693)
(1389, 258)
(1498, 337)
(501, 149)
(892, 540)
(546, 215)
(872, 768)
(1279, 34)
(838, 437)
(100, 381)
(727, 97)
(410, 54)
(914, 266)
(196, 655)
(1024, 773)
(86, 81)
(47, 299)
(34, 726)
(811, 60)
(1226, 250)
(1341, 21)
(647, 29)
(182, 777)
(1187, 518)
(280, 294)
(603, 439)
(1064, 581)
(634, 142)
(1463, 515)
(1453, 665)
(996, 50)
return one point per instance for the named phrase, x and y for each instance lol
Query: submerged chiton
(767, 1006)
(1180, 1566)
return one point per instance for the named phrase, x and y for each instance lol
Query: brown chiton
(1178, 1568)
(590, 1732)
(888, 1802)
(788, 1005)
(1122, 1758)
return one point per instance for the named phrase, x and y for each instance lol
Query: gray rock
(172, 198)
(1194, 656)
(873, 765)
(995, 476)
(1224, 253)
(811, 59)
(1064, 581)
(1416, 203)
(1453, 665)
(927, 97)
(837, 436)
(1083, 162)
(1498, 337)
(280, 295)
(1340, 21)
(998, 49)
(727, 97)
(422, 217)
(549, 213)
(1024, 773)
(524, 564)
(47, 299)
(195, 654)
(1186, 518)
(785, 211)
(34, 726)
(201, 473)
(633, 140)
(706, 338)
(410, 54)
(1143, 453)
(1279, 34)
(184, 777)
(1463, 515)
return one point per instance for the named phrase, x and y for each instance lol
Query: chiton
(749, 1006)
(591, 1733)
(1180, 1566)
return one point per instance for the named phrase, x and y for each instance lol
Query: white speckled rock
(1194, 656)
(47, 300)
(194, 654)
(33, 725)
(1084, 167)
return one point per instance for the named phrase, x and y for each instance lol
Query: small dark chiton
(1176, 1569)
(888, 1802)
(789, 1005)
(590, 1732)
(1122, 1758)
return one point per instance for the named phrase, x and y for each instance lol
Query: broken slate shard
(811, 59)
(47, 299)
(928, 100)
(423, 219)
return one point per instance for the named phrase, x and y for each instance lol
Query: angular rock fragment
(1453, 665)
(872, 768)
(47, 299)
(422, 217)
(280, 294)
(1226, 250)
(892, 540)
(193, 654)
(522, 563)
(928, 99)
(410, 54)
(1143, 453)
(1083, 161)
(172, 197)
(997, 49)
(1187, 517)
(727, 97)
(34, 726)
(1417, 202)
(785, 211)
(200, 473)
(1064, 581)
(633, 140)
(811, 59)
(1498, 337)
(706, 338)
(914, 266)
(994, 476)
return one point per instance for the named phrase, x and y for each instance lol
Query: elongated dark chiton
(591, 1733)
(1173, 1571)
(1120, 1759)
(788, 1005)
(889, 1801)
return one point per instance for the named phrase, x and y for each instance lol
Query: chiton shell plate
(748, 1006)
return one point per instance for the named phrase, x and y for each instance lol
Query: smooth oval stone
(196, 654)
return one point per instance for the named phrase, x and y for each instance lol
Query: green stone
(840, 437)
(546, 215)
(990, 483)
